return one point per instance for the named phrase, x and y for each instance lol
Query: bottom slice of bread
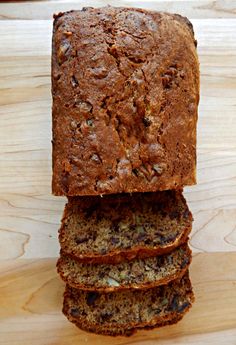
(124, 312)
(127, 332)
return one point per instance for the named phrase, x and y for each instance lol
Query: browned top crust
(125, 86)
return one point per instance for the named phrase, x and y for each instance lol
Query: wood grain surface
(30, 292)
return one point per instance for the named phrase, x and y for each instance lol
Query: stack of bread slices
(125, 86)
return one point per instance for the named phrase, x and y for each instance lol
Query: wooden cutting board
(30, 291)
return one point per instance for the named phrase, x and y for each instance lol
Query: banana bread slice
(135, 274)
(123, 312)
(127, 332)
(121, 227)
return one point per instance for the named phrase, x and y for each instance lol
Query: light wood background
(30, 292)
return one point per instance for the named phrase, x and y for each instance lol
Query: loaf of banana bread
(125, 88)
(121, 227)
(124, 312)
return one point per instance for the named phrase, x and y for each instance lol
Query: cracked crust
(124, 312)
(123, 227)
(125, 86)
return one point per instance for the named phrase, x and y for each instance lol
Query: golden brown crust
(125, 87)
(181, 258)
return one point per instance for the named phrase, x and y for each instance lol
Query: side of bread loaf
(135, 274)
(125, 88)
(123, 312)
(122, 227)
